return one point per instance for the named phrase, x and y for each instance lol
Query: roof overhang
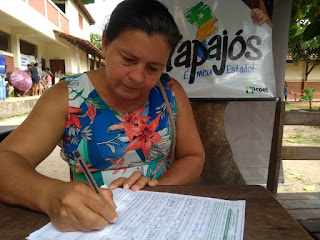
(83, 44)
(85, 11)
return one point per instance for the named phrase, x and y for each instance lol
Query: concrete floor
(54, 166)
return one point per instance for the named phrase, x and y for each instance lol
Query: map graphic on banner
(224, 53)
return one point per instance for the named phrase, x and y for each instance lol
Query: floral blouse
(115, 144)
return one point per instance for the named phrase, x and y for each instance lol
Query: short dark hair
(149, 16)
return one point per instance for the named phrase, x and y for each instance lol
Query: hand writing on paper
(75, 206)
(135, 182)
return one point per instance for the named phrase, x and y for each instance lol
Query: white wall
(28, 16)
(24, 23)
(67, 51)
(72, 14)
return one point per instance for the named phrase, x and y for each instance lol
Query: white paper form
(153, 215)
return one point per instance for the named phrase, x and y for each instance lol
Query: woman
(35, 76)
(116, 117)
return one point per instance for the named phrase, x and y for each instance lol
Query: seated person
(9, 87)
(116, 117)
(49, 80)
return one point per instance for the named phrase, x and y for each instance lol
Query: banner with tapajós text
(226, 49)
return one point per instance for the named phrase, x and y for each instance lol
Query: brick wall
(10, 64)
(38, 5)
(64, 24)
(80, 21)
(53, 14)
(294, 89)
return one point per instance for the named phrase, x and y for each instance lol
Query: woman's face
(134, 63)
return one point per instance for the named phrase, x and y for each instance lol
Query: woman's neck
(107, 95)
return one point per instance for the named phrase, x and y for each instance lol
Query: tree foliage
(87, 1)
(83, 1)
(304, 34)
(309, 95)
(96, 40)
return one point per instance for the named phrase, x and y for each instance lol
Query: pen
(86, 171)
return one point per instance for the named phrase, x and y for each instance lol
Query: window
(62, 7)
(4, 42)
(80, 21)
(28, 48)
(60, 4)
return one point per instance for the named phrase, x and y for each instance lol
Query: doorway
(55, 66)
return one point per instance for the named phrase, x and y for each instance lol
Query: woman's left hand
(135, 182)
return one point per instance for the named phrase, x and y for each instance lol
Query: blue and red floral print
(115, 144)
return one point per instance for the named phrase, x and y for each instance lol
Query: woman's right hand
(74, 206)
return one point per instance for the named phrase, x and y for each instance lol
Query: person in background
(58, 76)
(49, 80)
(3, 93)
(35, 79)
(48, 71)
(38, 69)
(43, 74)
(285, 88)
(16, 92)
(28, 67)
(43, 81)
(9, 87)
(132, 124)
(3, 69)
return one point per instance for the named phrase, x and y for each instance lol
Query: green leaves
(312, 30)
(87, 1)
(83, 1)
(309, 95)
(96, 40)
(309, 92)
(304, 33)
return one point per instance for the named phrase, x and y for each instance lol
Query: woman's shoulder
(74, 77)
(56, 92)
(79, 87)
(77, 81)
(170, 83)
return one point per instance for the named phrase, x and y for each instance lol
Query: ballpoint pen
(79, 159)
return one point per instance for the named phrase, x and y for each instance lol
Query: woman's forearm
(183, 171)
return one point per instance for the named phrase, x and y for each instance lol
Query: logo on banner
(220, 48)
(202, 17)
(252, 90)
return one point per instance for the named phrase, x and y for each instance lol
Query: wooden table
(265, 217)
